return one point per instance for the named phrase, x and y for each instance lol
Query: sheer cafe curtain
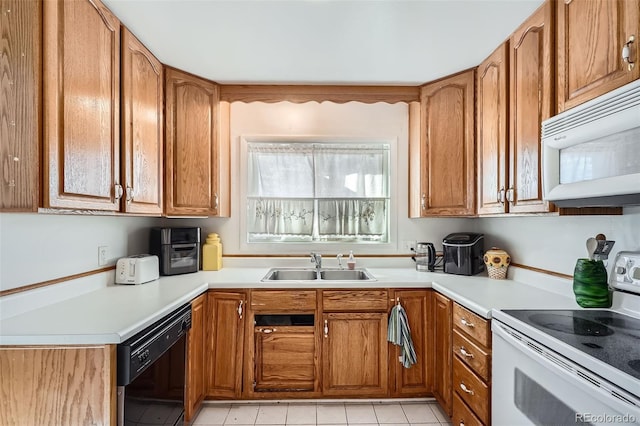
(318, 191)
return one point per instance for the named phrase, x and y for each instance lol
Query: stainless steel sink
(280, 274)
(345, 275)
(325, 274)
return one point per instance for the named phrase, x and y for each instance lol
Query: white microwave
(591, 153)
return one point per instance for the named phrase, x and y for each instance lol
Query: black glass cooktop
(608, 336)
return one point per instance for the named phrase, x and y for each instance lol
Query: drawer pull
(466, 389)
(466, 323)
(461, 423)
(268, 330)
(465, 353)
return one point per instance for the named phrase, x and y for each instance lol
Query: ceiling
(382, 42)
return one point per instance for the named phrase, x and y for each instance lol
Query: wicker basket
(497, 273)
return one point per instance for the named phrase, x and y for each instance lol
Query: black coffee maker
(463, 253)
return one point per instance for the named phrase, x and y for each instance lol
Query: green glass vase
(590, 284)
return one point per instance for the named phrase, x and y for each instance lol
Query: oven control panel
(625, 274)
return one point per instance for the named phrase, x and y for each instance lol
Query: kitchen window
(317, 192)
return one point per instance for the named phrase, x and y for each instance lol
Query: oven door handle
(566, 369)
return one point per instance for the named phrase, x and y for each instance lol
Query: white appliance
(138, 269)
(570, 366)
(591, 153)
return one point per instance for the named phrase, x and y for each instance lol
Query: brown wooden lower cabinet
(58, 385)
(471, 349)
(442, 315)
(416, 380)
(354, 354)
(195, 369)
(463, 416)
(224, 343)
(284, 359)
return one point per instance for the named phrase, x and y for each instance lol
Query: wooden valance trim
(319, 93)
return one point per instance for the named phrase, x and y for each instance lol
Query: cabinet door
(142, 127)
(284, 359)
(531, 101)
(416, 380)
(354, 354)
(442, 308)
(195, 375)
(224, 346)
(191, 145)
(591, 35)
(447, 151)
(81, 167)
(20, 102)
(492, 131)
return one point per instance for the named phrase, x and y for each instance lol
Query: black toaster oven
(178, 249)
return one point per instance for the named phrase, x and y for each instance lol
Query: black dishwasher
(151, 372)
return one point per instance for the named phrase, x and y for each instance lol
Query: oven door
(532, 385)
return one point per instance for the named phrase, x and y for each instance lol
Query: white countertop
(113, 313)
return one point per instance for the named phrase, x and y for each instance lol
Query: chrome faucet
(317, 259)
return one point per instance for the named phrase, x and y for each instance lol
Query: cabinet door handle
(626, 53)
(466, 389)
(423, 201)
(326, 329)
(510, 193)
(240, 309)
(118, 191)
(215, 201)
(461, 423)
(467, 323)
(129, 193)
(465, 353)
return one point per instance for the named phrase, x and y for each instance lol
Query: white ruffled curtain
(352, 217)
(281, 217)
(348, 184)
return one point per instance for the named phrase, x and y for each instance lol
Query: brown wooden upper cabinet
(142, 127)
(193, 159)
(81, 101)
(532, 100)
(492, 91)
(20, 99)
(442, 179)
(591, 36)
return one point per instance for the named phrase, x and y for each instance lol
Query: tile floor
(323, 413)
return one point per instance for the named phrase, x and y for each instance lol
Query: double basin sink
(313, 274)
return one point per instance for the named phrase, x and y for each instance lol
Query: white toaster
(137, 269)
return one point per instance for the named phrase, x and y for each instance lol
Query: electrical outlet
(408, 245)
(103, 255)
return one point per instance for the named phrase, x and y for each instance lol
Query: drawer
(283, 300)
(472, 324)
(472, 355)
(355, 300)
(462, 415)
(471, 389)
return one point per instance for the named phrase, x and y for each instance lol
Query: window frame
(286, 247)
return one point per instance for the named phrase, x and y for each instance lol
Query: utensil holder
(590, 284)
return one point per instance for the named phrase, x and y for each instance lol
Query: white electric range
(560, 367)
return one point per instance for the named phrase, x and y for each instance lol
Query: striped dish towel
(399, 334)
